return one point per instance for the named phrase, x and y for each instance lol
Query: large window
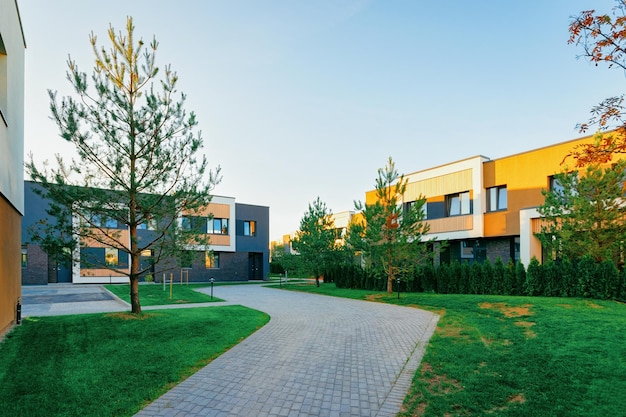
(218, 227)
(197, 224)
(496, 198)
(249, 228)
(458, 204)
(98, 258)
(211, 260)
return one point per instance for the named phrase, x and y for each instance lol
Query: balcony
(450, 224)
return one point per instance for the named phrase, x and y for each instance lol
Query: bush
(276, 268)
(583, 278)
(534, 278)
(585, 271)
(476, 280)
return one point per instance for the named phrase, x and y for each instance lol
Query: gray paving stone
(318, 356)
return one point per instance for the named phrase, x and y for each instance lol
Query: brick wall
(36, 271)
(499, 248)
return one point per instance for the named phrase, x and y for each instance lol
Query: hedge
(580, 278)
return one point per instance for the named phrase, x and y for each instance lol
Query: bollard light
(212, 281)
(398, 284)
(18, 312)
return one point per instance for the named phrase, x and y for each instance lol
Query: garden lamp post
(398, 284)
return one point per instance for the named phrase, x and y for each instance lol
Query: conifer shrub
(476, 280)
(534, 278)
(520, 278)
(498, 277)
(585, 271)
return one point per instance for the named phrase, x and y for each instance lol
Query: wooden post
(171, 283)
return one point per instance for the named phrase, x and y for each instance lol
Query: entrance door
(59, 272)
(65, 273)
(255, 266)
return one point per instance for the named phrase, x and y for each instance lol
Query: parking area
(61, 299)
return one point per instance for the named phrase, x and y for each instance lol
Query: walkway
(318, 356)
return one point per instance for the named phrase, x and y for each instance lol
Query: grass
(153, 294)
(515, 356)
(111, 364)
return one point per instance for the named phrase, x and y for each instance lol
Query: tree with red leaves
(603, 40)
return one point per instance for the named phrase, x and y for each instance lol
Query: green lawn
(154, 294)
(515, 356)
(111, 364)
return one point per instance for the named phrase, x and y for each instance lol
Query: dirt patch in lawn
(488, 342)
(507, 310)
(527, 325)
(438, 384)
(593, 305)
(515, 399)
(374, 297)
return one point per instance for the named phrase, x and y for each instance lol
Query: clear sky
(298, 99)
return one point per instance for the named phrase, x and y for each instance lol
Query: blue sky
(299, 99)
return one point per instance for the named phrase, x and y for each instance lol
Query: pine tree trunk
(134, 295)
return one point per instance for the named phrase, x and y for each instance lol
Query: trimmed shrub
(498, 280)
(534, 278)
(585, 271)
(476, 280)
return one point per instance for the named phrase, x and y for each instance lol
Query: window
(104, 221)
(211, 260)
(197, 224)
(467, 250)
(555, 185)
(111, 257)
(91, 257)
(24, 257)
(98, 258)
(146, 260)
(496, 198)
(249, 228)
(409, 205)
(147, 225)
(458, 204)
(218, 227)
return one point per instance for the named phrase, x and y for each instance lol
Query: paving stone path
(318, 356)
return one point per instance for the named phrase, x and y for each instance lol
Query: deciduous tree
(138, 157)
(602, 37)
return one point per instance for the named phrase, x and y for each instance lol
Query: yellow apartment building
(12, 45)
(487, 208)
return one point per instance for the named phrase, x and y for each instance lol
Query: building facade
(484, 208)
(238, 248)
(12, 45)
